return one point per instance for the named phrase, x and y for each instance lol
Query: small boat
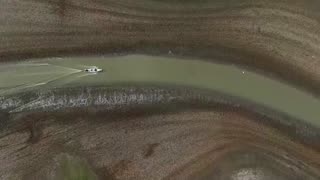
(93, 70)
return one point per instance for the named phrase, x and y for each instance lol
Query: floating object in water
(93, 70)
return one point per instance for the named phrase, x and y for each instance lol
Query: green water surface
(229, 79)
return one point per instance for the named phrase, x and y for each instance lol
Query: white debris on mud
(110, 98)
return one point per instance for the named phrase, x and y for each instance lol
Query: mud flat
(160, 119)
(146, 133)
(277, 37)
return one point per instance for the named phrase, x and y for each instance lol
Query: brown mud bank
(193, 142)
(277, 37)
(146, 133)
(160, 98)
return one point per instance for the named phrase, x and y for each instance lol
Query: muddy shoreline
(267, 66)
(278, 38)
(117, 143)
(156, 132)
(148, 100)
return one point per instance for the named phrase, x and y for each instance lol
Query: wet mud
(192, 136)
(280, 38)
(202, 137)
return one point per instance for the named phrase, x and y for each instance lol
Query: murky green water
(147, 69)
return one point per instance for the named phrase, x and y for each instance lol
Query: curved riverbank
(195, 133)
(277, 37)
(154, 99)
(140, 69)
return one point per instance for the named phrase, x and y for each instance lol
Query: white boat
(93, 70)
